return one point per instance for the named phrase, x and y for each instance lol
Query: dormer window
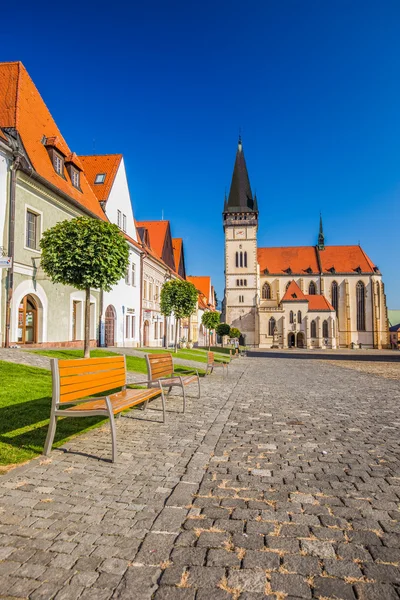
(100, 178)
(75, 178)
(58, 163)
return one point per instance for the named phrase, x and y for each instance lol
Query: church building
(305, 296)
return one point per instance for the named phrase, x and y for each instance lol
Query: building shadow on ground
(371, 356)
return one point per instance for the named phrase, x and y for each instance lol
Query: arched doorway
(27, 320)
(111, 317)
(291, 340)
(300, 339)
(146, 328)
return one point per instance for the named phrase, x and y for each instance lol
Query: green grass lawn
(196, 354)
(25, 401)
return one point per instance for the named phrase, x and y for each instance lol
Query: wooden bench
(75, 380)
(160, 370)
(211, 364)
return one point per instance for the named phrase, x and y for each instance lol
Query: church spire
(321, 237)
(240, 197)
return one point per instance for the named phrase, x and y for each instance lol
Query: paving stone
(201, 577)
(320, 549)
(156, 548)
(267, 561)
(247, 579)
(375, 591)
(290, 584)
(173, 593)
(342, 569)
(189, 556)
(139, 581)
(333, 588)
(222, 558)
(303, 565)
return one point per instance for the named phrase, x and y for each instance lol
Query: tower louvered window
(245, 258)
(360, 297)
(312, 289)
(335, 296)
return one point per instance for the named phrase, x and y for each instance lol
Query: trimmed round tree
(180, 298)
(85, 253)
(210, 320)
(222, 330)
(235, 333)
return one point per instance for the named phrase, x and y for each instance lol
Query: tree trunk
(87, 324)
(209, 340)
(177, 324)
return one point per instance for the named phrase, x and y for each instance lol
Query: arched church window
(313, 329)
(241, 259)
(237, 259)
(299, 316)
(325, 332)
(333, 328)
(291, 317)
(245, 259)
(335, 296)
(378, 293)
(271, 326)
(266, 291)
(312, 289)
(245, 282)
(360, 297)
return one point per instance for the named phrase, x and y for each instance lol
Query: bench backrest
(159, 365)
(79, 378)
(210, 357)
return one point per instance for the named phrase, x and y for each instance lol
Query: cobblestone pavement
(389, 370)
(282, 482)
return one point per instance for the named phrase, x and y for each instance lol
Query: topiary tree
(85, 253)
(178, 297)
(210, 320)
(222, 330)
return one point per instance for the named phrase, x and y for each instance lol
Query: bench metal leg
(51, 432)
(198, 381)
(113, 429)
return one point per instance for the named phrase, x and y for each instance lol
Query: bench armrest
(191, 372)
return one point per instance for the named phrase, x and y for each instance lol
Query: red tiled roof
(345, 259)
(203, 284)
(22, 107)
(317, 302)
(299, 259)
(157, 233)
(96, 164)
(177, 248)
(202, 301)
(293, 293)
(296, 258)
(2, 135)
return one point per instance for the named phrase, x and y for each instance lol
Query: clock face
(240, 234)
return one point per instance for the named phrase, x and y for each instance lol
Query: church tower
(240, 218)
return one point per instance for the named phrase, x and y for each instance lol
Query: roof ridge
(102, 155)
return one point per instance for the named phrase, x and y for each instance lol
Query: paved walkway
(282, 482)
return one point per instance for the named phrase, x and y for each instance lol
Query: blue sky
(314, 87)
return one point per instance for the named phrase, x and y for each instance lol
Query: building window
(145, 290)
(58, 163)
(313, 329)
(245, 259)
(32, 230)
(133, 326)
(127, 276)
(291, 317)
(156, 330)
(100, 178)
(266, 291)
(75, 179)
(133, 274)
(245, 282)
(124, 222)
(271, 326)
(333, 328)
(335, 296)
(151, 292)
(237, 259)
(312, 289)
(378, 294)
(237, 282)
(241, 298)
(127, 327)
(360, 296)
(325, 331)
(299, 316)
(119, 218)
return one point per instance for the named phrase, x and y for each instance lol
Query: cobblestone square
(282, 481)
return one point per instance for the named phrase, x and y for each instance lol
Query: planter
(190, 345)
(182, 345)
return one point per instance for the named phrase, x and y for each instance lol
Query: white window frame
(124, 223)
(133, 274)
(119, 215)
(39, 214)
(75, 178)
